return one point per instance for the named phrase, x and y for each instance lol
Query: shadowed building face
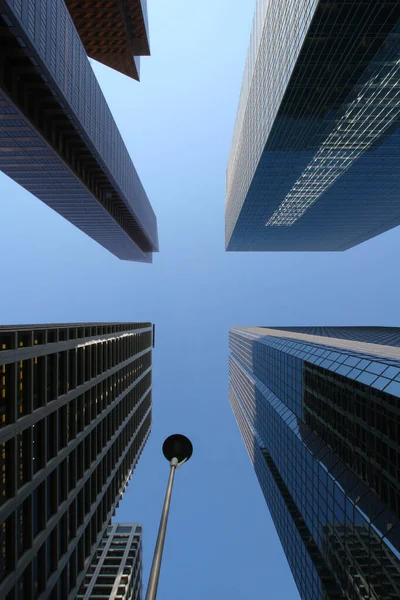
(315, 154)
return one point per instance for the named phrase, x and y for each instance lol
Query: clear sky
(177, 124)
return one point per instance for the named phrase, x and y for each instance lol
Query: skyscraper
(315, 154)
(115, 33)
(319, 411)
(58, 138)
(116, 570)
(75, 414)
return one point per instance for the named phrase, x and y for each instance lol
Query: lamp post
(177, 449)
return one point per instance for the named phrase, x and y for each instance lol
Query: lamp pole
(177, 449)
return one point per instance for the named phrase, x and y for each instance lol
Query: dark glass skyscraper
(75, 414)
(58, 138)
(315, 154)
(319, 411)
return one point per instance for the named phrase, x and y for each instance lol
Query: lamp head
(177, 446)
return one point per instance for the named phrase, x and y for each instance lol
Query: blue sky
(177, 124)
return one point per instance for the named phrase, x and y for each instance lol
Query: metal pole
(155, 567)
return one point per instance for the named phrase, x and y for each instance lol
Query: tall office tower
(116, 570)
(314, 161)
(75, 414)
(114, 33)
(319, 412)
(58, 138)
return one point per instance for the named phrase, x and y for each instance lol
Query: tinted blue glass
(305, 168)
(332, 496)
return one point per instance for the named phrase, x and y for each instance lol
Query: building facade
(314, 160)
(75, 414)
(116, 570)
(58, 138)
(115, 34)
(319, 412)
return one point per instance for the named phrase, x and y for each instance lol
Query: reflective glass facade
(320, 417)
(75, 414)
(58, 138)
(116, 570)
(316, 145)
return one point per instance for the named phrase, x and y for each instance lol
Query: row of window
(29, 384)
(35, 447)
(32, 516)
(10, 340)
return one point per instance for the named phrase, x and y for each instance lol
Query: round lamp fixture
(177, 446)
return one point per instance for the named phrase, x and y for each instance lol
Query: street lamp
(177, 449)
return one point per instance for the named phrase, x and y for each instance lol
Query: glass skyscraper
(319, 412)
(315, 154)
(58, 138)
(75, 414)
